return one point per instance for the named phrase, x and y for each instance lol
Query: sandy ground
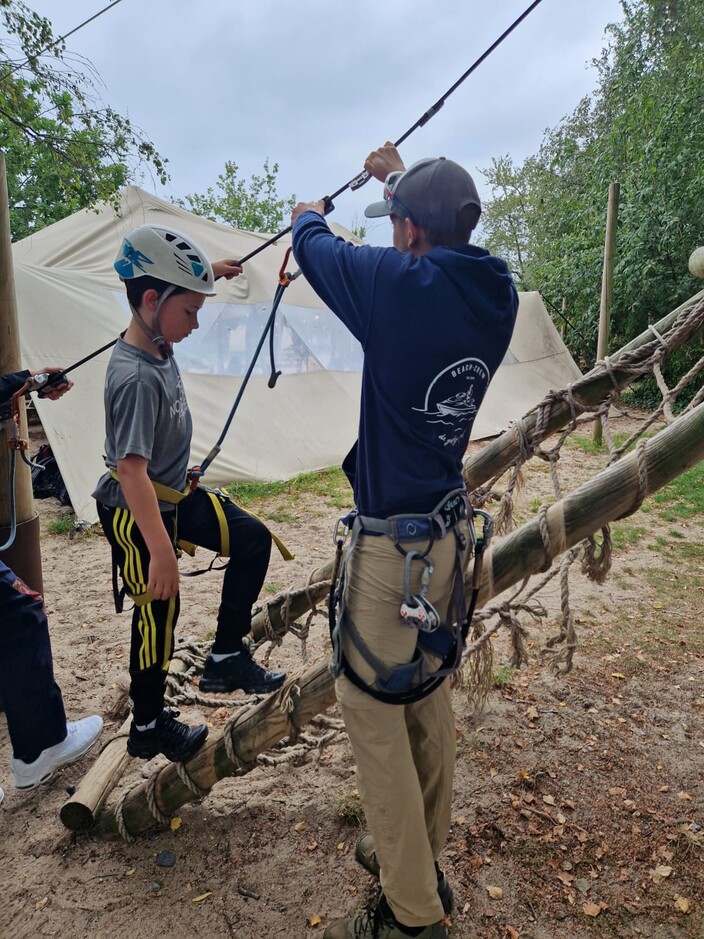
(578, 804)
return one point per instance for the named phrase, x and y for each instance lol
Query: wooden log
(298, 605)
(602, 348)
(255, 730)
(80, 811)
(609, 495)
(592, 389)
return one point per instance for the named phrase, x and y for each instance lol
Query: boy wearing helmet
(144, 502)
(434, 315)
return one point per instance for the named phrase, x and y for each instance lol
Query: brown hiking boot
(378, 923)
(365, 854)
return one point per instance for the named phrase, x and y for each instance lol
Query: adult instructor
(434, 316)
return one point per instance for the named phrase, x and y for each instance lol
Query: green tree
(640, 128)
(63, 149)
(253, 206)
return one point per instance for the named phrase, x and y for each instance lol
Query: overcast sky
(316, 84)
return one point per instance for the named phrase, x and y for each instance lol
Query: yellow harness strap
(174, 496)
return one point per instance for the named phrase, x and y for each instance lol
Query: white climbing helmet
(168, 255)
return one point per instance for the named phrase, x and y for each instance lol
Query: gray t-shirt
(146, 414)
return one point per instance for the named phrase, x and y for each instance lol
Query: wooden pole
(520, 554)
(80, 811)
(24, 555)
(602, 347)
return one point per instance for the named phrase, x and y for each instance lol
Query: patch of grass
(692, 551)
(623, 535)
(281, 516)
(683, 498)
(273, 587)
(329, 484)
(350, 810)
(585, 444)
(61, 526)
(503, 677)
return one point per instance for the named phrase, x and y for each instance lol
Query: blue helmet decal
(130, 259)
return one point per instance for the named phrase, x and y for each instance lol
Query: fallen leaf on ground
(202, 896)
(314, 920)
(175, 823)
(496, 893)
(591, 909)
(682, 904)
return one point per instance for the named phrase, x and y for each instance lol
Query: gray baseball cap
(431, 193)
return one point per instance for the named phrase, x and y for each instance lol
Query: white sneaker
(80, 738)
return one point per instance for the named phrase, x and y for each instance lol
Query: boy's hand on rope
(227, 268)
(383, 161)
(163, 575)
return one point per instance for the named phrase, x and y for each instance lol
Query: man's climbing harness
(438, 637)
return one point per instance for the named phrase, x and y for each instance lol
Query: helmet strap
(153, 332)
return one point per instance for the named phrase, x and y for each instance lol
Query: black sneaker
(239, 671)
(178, 742)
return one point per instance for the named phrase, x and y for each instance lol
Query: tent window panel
(305, 340)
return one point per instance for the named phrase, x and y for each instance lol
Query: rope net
(499, 493)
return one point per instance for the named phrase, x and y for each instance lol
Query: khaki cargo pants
(405, 753)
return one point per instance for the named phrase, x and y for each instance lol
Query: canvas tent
(71, 303)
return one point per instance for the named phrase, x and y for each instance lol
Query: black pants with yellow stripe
(153, 623)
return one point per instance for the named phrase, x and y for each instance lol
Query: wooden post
(602, 347)
(23, 556)
(563, 321)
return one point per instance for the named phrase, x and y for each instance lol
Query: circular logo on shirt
(453, 398)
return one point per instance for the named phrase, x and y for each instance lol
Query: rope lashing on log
(283, 602)
(198, 791)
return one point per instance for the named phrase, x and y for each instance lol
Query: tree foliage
(642, 128)
(253, 206)
(63, 149)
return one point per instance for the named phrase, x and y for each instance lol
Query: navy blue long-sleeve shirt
(9, 384)
(434, 330)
